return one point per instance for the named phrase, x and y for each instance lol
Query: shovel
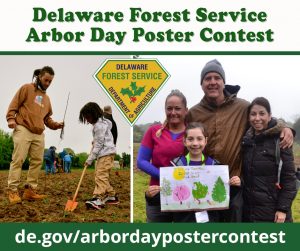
(62, 130)
(72, 204)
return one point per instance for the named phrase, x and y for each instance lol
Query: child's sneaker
(94, 203)
(111, 200)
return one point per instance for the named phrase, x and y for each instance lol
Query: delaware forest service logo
(131, 84)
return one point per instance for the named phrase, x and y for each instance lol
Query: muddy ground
(59, 188)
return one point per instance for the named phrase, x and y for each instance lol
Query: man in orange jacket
(28, 113)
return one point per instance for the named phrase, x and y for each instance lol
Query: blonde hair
(159, 131)
(176, 93)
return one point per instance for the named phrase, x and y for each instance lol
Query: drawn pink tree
(181, 193)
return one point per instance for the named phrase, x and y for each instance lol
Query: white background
(283, 18)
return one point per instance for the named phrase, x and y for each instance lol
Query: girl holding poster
(161, 146)
(195, 140)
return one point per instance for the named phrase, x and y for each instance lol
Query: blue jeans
(67, 166)
(49, 167)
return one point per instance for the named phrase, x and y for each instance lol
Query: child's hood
(104, 123)
(108, 123)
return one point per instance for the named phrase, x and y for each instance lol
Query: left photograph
(64, 145)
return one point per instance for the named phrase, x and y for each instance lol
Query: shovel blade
(71, 205)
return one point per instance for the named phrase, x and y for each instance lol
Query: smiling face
(195, 142)
(259, 118)
(212, 86)
(175, 110)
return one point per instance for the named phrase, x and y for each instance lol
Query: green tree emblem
(200, 192)
(133, 91)
(165, 189)
(219, 191)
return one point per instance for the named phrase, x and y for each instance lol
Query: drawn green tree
(219, 191)
(133, 91)
(200, 192)
(165, 189)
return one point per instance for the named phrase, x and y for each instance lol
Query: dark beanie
(213, 66)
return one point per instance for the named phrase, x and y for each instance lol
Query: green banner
(99, 236)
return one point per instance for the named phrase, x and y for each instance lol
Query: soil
(60, 188)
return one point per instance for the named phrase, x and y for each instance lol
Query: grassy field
(140, 181)
(296, 208)
(296, 148)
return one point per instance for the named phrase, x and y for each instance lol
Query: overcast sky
(73, 74)
(274, 77)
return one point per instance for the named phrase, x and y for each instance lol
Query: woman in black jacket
(267, 197)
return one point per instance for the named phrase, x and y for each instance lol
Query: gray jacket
(103, 143)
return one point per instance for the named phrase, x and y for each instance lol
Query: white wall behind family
(282, 19)
(73, 74)
(274, 77)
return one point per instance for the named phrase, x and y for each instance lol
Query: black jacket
(114, 129)
(262, 198)
(49, 155)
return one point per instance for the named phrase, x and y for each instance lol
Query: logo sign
(131, 84)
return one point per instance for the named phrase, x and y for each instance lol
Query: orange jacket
(31, 108)
(226, 125)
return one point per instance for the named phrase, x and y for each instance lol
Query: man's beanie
(213, 66)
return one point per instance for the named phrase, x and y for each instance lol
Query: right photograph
(220, 142)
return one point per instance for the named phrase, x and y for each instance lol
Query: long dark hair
(91, 110)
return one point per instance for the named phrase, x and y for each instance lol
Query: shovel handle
(78, 186)
(62, 130)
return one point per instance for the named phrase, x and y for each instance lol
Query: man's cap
(212, 66)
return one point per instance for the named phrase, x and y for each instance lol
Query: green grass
(140, 181)
(296, 208)
(296, 148)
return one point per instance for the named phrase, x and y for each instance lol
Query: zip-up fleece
(102, 139)
(226, 125)
(31, 108)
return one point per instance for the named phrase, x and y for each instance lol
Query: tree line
(139, 130)
(7, 146)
